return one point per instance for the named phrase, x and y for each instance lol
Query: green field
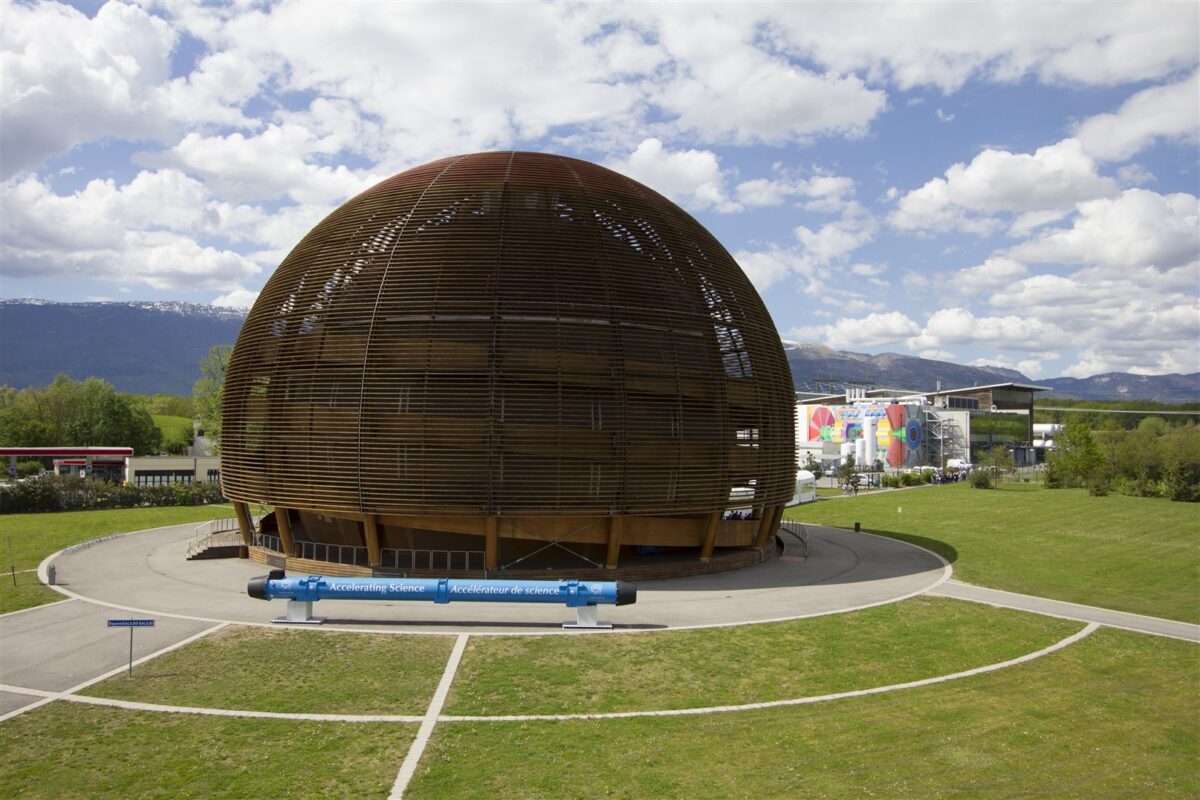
(919, 638)
(174, 429)
(1128, 553)
(65, 750)
(323, 673)
(1114, 716)
(25, 539)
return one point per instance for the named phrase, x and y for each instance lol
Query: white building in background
(165, 470)
(902, 429)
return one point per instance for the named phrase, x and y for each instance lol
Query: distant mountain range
(1174, 388)
(816, 368)
(143, 348)
(155, 347)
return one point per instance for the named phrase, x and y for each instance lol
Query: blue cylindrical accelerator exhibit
(572, 593)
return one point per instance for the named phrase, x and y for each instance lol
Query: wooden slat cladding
(509, 334)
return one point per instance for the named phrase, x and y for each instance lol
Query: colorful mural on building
(897, 428)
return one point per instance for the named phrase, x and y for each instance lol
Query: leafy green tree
(27, 468)
(848, 469)
(813, 466)
(1140, 460)
(208, 392)
(1156, 426)
(87, 414)
(1076, 460)
(997, 461)
(1181, 468)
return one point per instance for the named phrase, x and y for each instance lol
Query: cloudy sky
(1011, 184)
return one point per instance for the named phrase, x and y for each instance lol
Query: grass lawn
(174, 429)
(919, 638)
(1116, 715)
(1128, 553)
(25, 539)
(65, 750)
(309, 672)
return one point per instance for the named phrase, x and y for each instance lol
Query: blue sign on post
(131, 624)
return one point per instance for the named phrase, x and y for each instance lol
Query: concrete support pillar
(614, 541)
(491, 556)
(370, 528)
(285, 529)
(245, 522)
(710, 536)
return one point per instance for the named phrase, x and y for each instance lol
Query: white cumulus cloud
(1137, 228)
(866, 332)
(69, 79)
(1054, 177)
(691, 178)
(1169, 112)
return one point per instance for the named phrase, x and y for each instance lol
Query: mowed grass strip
(294, 671)
(919, 638)
(25, 539)
(1134, 554)
(66, 750)
(24, 590)
(1114, 716)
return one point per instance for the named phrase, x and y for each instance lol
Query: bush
(981, 479)
(26, 469)
(70, 493)
(1052, 476)
(890, 482)
(911, 479)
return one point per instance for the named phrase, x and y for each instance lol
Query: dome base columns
(244, 520)
(710, 536)
(613, 554)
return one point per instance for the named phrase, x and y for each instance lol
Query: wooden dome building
(509, 361)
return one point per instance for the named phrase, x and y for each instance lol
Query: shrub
(70, 493)
(981, 479)
(890, 482)
(26, 469)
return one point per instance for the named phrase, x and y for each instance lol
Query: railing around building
(333, 553)
(391, 558)
(432, 559)
(267, 541)
(215, 532)
(798, 530)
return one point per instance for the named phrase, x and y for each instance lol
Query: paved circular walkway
(148, 573)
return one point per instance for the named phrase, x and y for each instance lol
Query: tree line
(91, 413)
(1154, 459)
(1098, 414)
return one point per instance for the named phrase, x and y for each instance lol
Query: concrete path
(65, 645)
(147, 573)
(59, 646)
(1057, 608)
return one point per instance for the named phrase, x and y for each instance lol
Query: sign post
(131, 624)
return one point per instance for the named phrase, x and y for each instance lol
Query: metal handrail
(333, 553)
(268, 541)
(392, 558)
(206, 531)
(798, 530)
